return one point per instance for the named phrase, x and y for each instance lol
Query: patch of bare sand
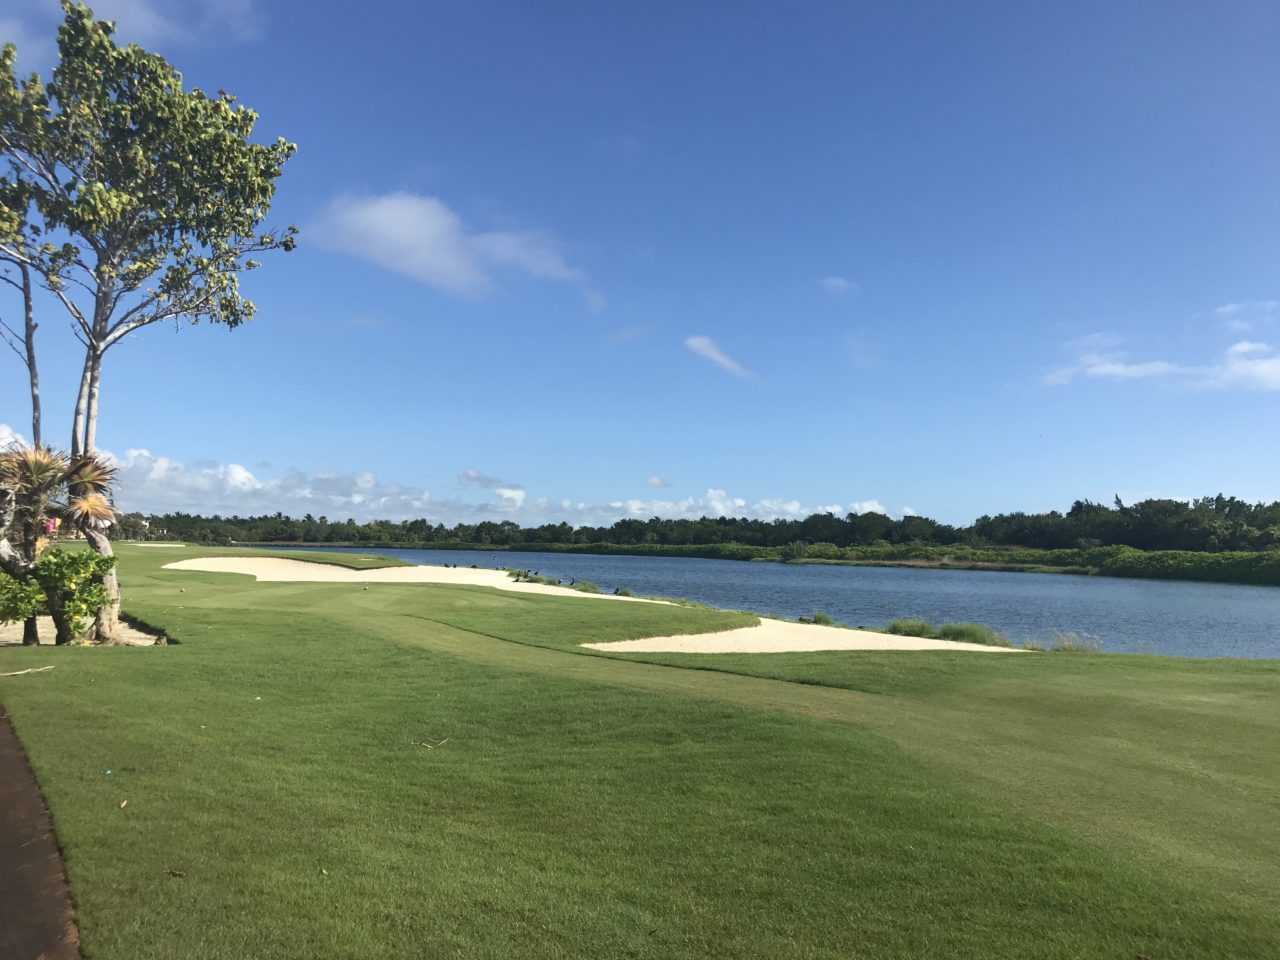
(11, 634)
(782, 636)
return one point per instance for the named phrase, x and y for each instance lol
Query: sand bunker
(782, 636)
(770, 636)
(280, 570)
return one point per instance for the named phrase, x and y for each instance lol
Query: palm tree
(38, 484)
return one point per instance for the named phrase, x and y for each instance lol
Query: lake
(1173, 618)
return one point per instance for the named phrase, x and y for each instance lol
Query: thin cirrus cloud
(837, 285)
(1244, 365)
(1248, 315)
(657, 481)
(420, 237)
(706, 348)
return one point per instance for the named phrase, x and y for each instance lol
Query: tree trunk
(61, 622)
(30, 632)
(107, 622)
(29, 318)
(82, 403)
(91, 410)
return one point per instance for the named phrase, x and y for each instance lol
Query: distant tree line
(1210, 524)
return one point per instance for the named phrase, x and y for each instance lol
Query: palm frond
(90, 474)
(92, 509)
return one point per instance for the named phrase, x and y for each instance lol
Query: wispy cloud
(1246, 365)
(862, 350)
(1248, 315)
(421, 237)
(657, 481)
(837, 286)
(32, 24)
(706, 347)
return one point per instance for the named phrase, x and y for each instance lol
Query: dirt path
(36, 919)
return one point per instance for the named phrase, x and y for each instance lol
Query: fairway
(424, 770)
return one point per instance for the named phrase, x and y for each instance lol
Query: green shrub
(973, 633)
(796, 550)
(623, 592)
(586, 586)
(823, 619)
(524, 576)
(912, 628)
(19, 599)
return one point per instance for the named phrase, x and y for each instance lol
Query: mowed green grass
(280, 802)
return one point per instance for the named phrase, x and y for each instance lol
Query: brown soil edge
(37, 921)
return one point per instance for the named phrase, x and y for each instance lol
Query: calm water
(1128, 616)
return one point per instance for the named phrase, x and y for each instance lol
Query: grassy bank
(324, 770)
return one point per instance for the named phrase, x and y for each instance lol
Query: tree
(156, 192)
(37, 484)
(155, 196)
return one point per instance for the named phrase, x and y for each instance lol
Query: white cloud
(837, 285)
(1245, 365)
(1099, 366)
(10, 437)
(475, 477)
(421, 237)
(863, 353)
(156, 484)
(657, 481)
(33, 24)
(909, 512)
(706, 347)
(1248, 314)
(512, 497)
(868, 506)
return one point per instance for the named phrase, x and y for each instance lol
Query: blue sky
(585, 260)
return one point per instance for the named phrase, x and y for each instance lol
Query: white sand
(782, 636)
(770, 636)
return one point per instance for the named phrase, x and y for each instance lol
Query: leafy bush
(796, 550)
(973, 633)
(71, 579)
(19, 599)
(912, 628)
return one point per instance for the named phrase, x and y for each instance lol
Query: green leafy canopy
(148, 197)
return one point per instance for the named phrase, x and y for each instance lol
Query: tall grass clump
(524, 576)
(1068, 641)
(586, 586)
(912, 628)
(973, 633)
